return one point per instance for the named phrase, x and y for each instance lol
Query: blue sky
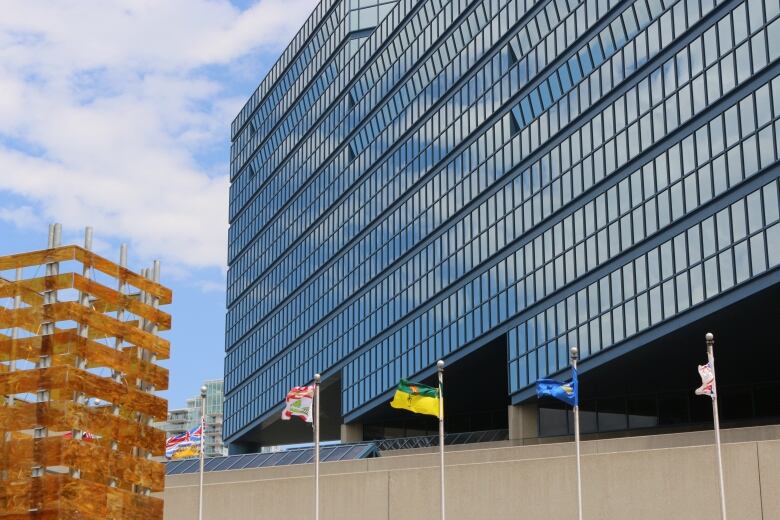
(116, 114)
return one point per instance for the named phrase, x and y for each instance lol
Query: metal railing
(450, 439)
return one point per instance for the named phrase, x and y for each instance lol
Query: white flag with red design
(299, 403)
(707, 381)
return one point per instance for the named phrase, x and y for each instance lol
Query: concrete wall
(644, 478)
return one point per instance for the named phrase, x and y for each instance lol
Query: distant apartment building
(214, 399)
(177, 423)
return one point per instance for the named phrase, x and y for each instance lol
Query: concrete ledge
(642, 478)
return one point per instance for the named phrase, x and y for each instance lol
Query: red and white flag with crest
(707, 381)
(299, 403)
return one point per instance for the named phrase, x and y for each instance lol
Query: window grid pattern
(702, 165)
(265, 299)
(292, 276)
(262, 137)
(268, 139)
(413, 266)
(318, 140)
(290, 266)
(276, 325)
(281, 65)
(310, 155)
(308, 66)
(723, 251)
(648, 200)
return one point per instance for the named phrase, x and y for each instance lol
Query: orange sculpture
(78, 374)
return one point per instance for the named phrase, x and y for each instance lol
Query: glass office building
(492, 182)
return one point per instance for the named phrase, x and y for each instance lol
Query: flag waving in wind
(416, 398)
(707, 380)
(185, 445)
(567, 392)
(298, 403)
(426, 400)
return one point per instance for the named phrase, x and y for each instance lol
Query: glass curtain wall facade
(559, 172)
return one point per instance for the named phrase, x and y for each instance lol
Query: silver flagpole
(574, 355)
(710, 339)
(202, 456)
(316, 447)
(440, 367)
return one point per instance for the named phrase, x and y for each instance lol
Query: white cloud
(23, 217)
(117, 114)
(211, 287)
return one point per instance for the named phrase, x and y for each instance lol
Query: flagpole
(202, 456)
(710, 340)
(574, 355)
(440, 367)
(316, 447)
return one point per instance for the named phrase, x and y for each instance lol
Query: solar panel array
(267, 460)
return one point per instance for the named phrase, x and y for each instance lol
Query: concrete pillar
(351, 433)
(523, 422)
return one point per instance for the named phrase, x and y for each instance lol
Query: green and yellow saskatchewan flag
(416, 398)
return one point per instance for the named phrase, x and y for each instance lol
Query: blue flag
(567, 392)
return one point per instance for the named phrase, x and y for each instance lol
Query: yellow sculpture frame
(61, 456)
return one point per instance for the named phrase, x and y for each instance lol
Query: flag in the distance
(567, 392)
(185, 451)
(85, 436)
(416, 398)
(196, 433)
(299, 403)
(185, 445)
(707, 380)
